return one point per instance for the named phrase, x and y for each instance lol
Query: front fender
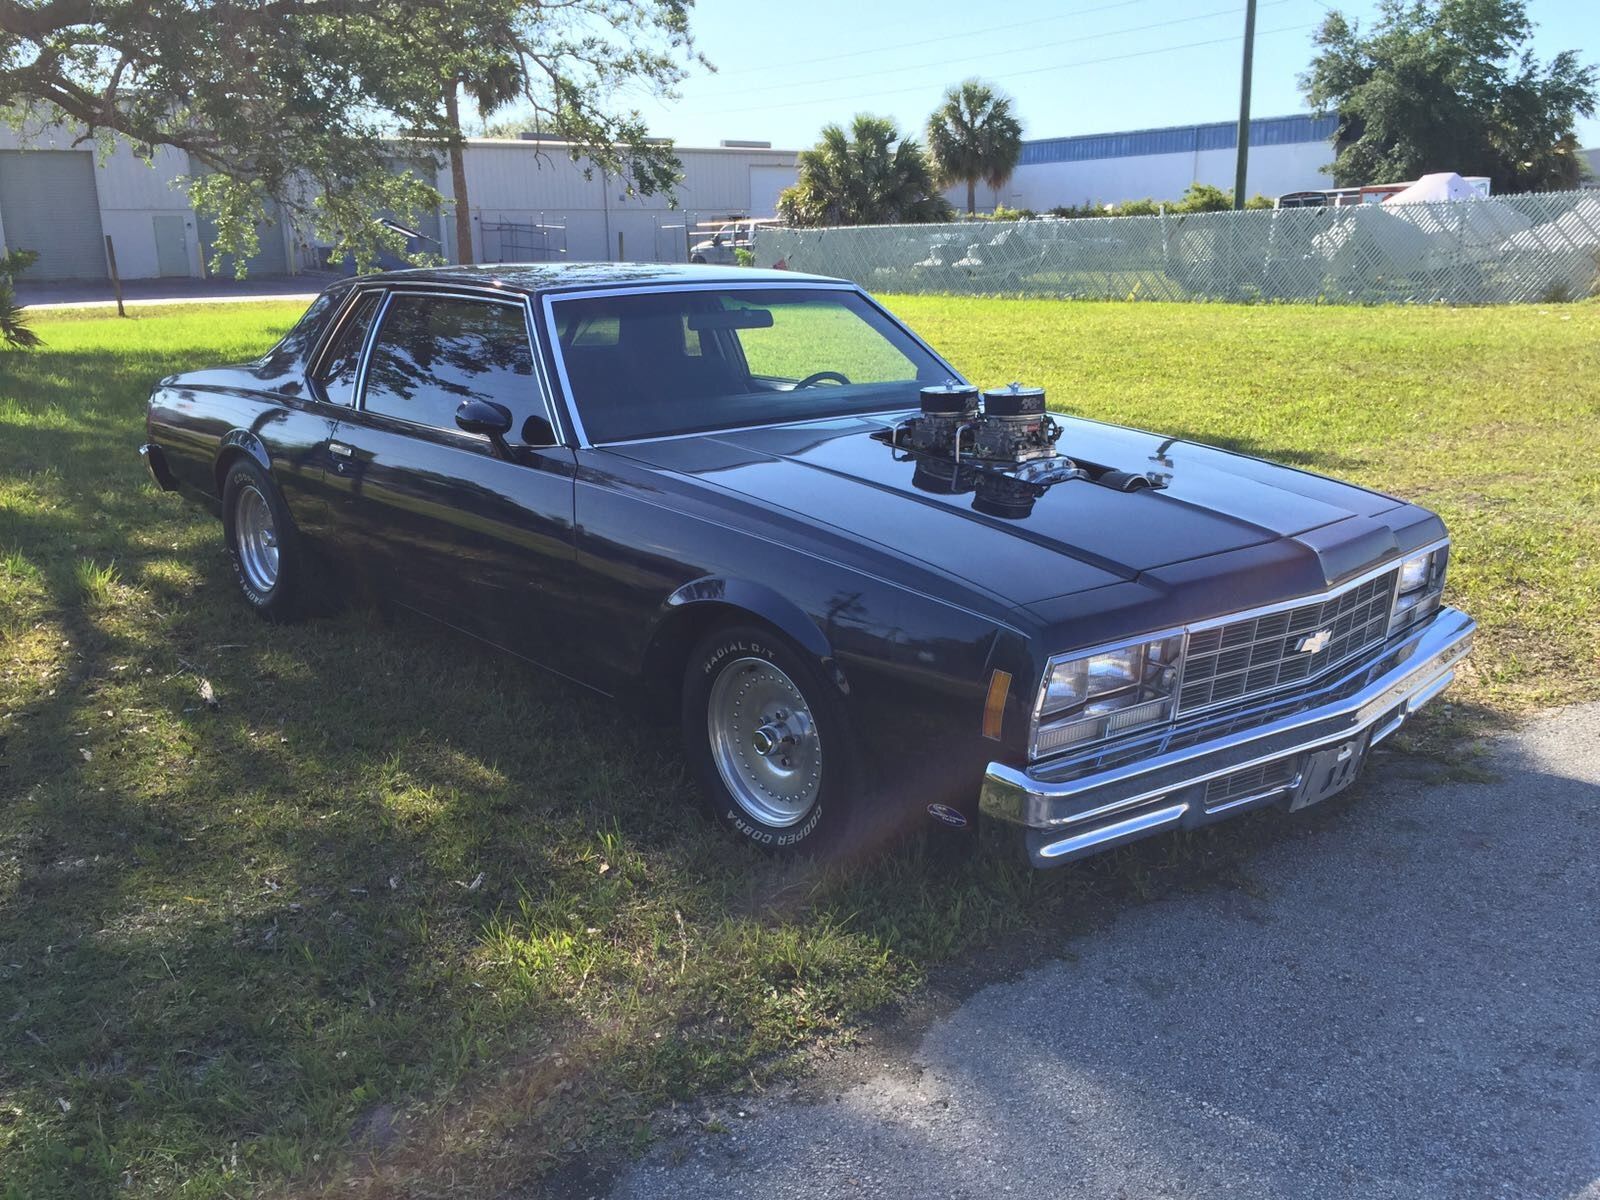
(759, 601)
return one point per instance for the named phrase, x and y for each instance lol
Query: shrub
(1204, 197)
(1139, 208)
(14, 331)
(1200, 197)
(1077, 211)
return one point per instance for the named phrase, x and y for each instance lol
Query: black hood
(1077, 535)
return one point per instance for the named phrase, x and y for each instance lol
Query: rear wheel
(262, 542)
(766, 735)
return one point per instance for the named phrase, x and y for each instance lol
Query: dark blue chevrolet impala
(878, 595)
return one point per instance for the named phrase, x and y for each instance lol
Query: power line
(1085, 62)
(1086, 37)
(880, 47)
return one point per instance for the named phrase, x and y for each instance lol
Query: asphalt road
(136, 293)
(1401, 1000)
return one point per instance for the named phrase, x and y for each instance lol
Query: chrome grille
(1256, 655)
(1259, 780)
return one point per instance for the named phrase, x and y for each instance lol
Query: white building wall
(537, 184)
(525, 183)
(1273, 170)
(131, 192)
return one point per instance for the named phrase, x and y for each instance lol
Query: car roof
(539, 278)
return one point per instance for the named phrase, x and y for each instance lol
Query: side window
(336, 374)
(433, 352)
(306, 330)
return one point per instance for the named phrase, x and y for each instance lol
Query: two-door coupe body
(876, 600)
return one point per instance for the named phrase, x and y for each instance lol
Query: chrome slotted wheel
(764, 741)
(256, 536)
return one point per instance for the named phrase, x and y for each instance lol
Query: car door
(303, 462)
(441, 520)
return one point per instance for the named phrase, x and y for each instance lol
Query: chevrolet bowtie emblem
(1315, 643)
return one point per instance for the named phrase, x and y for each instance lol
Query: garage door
(765, 184)
(48, 204)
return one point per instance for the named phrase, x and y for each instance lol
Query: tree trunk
(972, 196)
(458, 178)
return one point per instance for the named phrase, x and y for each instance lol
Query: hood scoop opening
(1001, 450)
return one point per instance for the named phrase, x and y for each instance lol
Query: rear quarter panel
(204, 417)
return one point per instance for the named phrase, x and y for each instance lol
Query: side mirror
(486, 419)
(716, 239)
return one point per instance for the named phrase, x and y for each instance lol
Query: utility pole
(1243, 162)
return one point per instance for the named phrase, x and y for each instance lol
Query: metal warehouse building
(528, 201)
(1287, 154)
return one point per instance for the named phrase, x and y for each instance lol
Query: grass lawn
(390, 916)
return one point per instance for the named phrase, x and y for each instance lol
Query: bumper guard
(156, 463)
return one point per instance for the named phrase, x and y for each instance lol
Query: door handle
(340, 450)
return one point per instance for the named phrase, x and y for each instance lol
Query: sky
(1072, 66)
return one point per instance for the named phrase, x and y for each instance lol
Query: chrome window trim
(1186, 631)
(551, 299)
(519, 300)
(876, 414)
(319, 355)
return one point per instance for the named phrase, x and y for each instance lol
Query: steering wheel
(819, 376)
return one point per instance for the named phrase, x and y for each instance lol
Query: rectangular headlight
(1421, 587)
(1414, 573)
(1086, 697)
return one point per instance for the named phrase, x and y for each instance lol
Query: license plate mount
(1329, 772)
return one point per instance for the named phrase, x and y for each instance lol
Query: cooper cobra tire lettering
(823, 827)
(282, 601)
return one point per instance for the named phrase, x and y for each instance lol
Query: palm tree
(971, 136)
(14, 329)
(870, 176)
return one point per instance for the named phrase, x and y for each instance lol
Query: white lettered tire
(263, 544)
(766, 736)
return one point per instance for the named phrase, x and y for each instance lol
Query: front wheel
(766, 735)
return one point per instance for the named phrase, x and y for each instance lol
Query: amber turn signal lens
(994, 708)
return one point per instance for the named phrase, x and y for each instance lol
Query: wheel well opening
(668, 655)
(225, 461)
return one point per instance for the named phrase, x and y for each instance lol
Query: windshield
(650, 364)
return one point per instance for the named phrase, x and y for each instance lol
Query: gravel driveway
(1403, 1002)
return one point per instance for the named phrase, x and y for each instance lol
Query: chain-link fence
(1506, 249)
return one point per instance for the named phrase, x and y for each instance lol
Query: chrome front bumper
(1075, 807)
(155, 462)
